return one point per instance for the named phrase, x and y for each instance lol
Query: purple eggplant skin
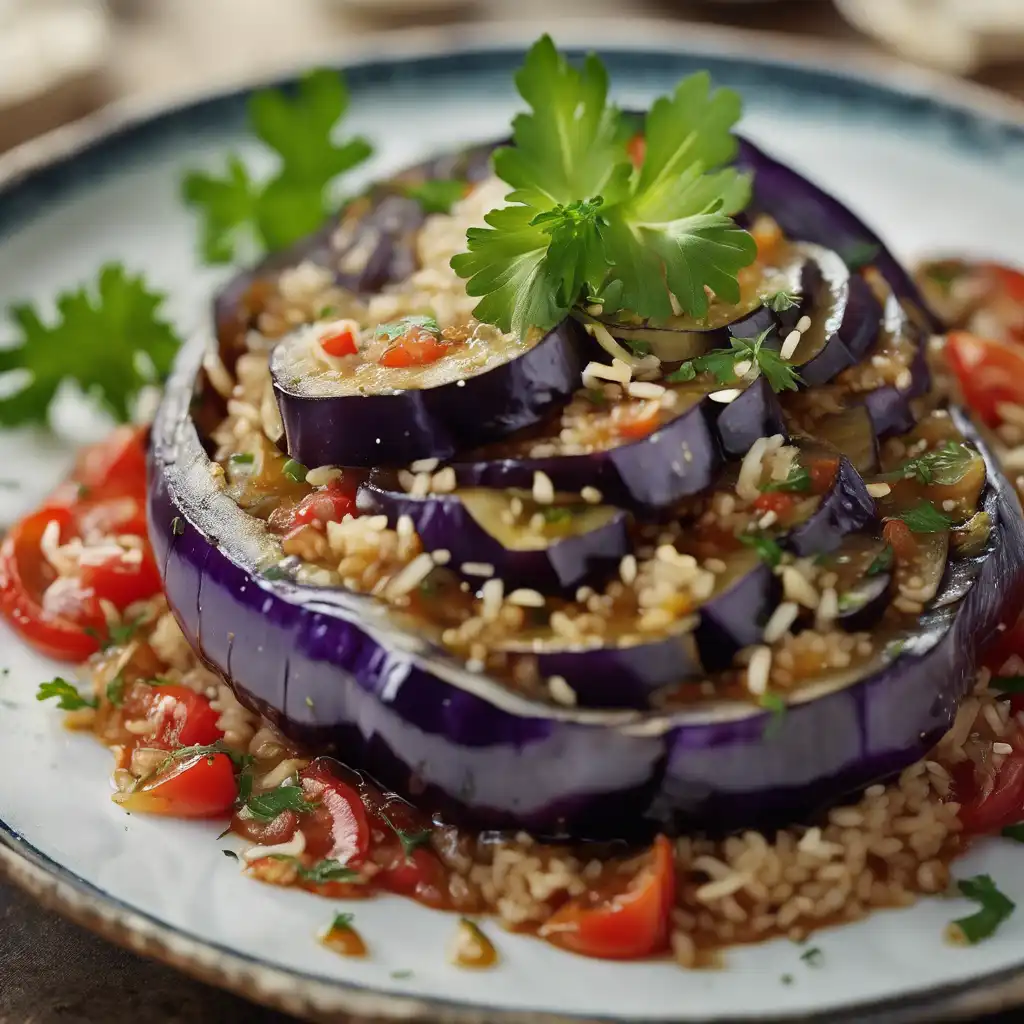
(398, 427)
(384, 220)
(679, 459)
(806, 212)
(873, 597)
(735, 618)
(844, 508)
(444, 523)
(338, 672)
(753, 414)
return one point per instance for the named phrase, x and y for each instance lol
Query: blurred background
(62, 59)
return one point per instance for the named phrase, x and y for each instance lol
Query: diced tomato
(340, 343)
(1011, 281)
(266, 833)
(114, 468)
(627, 926)
(778, 502)
(123, 582)
(988, 809)
(111, 517)
(419, 874)
(330, 505)
(900, 538)
(416, 347)
(203, 786)
(339, 827)
(62, 621)
(641, 425)
(636, 148)
(180, 716)
(988, 372)
(822, 472)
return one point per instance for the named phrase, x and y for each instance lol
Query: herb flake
(925, 518)
(767, 549)
(995, 907)
(267, 806)
(67, 696)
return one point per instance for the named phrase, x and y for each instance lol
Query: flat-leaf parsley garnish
(67, 697)
(781, 300)
(109, 339)
(585, 224)
(995, 907)
(721, 363)
(437, 195)
(925, 518)
(296, 200)
(767, 549)
(797, 480)
(267, 806)
(945, 465)
(410, 840)
(323, 871)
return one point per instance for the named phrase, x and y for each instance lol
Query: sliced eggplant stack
(553, 548)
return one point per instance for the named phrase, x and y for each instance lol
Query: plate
(933, 165)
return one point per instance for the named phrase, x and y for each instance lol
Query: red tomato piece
(627, 926)
(123, 582)
(642, 425)
(182, 717)
(778, 502)
(59, 619)
(989, 809)
(900, 538)
(419, 874)
(200, 787)
(111, 517)
(114, 468)
(339, 828)
(822, 472)
(1010, 281)
(636, 148)
(988, 372)
(340, 343)
(416, 347)
(330, 505)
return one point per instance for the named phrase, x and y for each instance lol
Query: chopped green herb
(67, 697)
(326, 312)
(275, 572)
(860, 254)
(297, 199)
(596, 397)
(721, 363)
(813, 957)
(177, 526)
(115, 691)
(109, 339)
(240, 761)
(943, 273)
(786, 979)
(402, 974)
(295, 471)
(83, 492)
(925, 518)
(309, 702)
(684, 373)
(946, 465)
(582, 222)
(777, 705)
(243, 458)
(411, 841)
(882, 562)
(767, 549)
(267, 806)
(1008, 684)
(230, 853)
(798, 480)
(395, 329)
(118, 634)
(781, 300)
(995, 908)
(438, 195)
(850, 600)
(342, 922)
(556, 514)
(894, 648)
(323, 871)
(1014, 832)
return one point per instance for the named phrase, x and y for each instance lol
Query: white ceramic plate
(930, 173)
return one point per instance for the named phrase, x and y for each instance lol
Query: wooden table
(52, 972)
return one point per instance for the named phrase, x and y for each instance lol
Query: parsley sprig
(945, 465)
(925, 518)
(721, 363)
(585, 224)
(323, 871)
(267, 806)
(297, 199)
(68, 698)
(797, 480)
(108, 338)
(995, 907)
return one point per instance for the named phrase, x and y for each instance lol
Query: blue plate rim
(317, 997)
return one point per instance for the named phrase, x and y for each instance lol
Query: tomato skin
(982, 813)
(115, 467)
(1010, 281)
(629, 926)
(340, 827)
(122, 582)
(332, 504)
(775, 501)
(417, 347)
(419, 874)
(202, 787)
(988, 372)
(340, 343)
(900, 538)
(822, 473)
(640, 426)
(58, 628)
(113, 516)
(636, 149)
(183, 718)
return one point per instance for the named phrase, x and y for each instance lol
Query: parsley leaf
(995, 908)
(925, 518)
(109, 340)
(778, 707)
(721, 363)
(267, 806)
(781, 300)
(767, 549)
(797, 480)
(946, 465)
(342, 923)
(411, 841)
(396, 328)
(437, 195)
(813, 957)
(860, 254)
(68, 698)
(296, 200)
(583, 224)
(115, 691)
(882, 562)
(328, 870)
